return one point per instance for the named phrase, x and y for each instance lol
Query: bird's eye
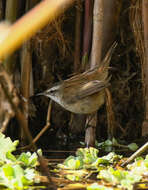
(52, 91)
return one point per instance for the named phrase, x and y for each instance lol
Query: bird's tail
(106, 61)
(104, 66)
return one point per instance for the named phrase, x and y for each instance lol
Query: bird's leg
(90, 133)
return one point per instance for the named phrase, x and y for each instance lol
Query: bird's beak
(41, 94)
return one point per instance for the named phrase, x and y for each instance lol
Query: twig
(5, 123)
(23, 123)
(5, 106)
(42, 131)
(137, 153)
(20, 116)
(47, 124)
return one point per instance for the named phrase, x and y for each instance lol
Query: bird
(83, 93)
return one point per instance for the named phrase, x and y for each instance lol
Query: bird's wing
(86, 89)
(91, 88)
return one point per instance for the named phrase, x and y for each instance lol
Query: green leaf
(146, 161)
(18, 176)
(139, 167)
(139, 158)
(96, 186)
(24, 159)
(121, 178)
(133, 146)
(29, 173)
(73, 177)
(8, 171)
(10, 156)
(100, 161)
(88, 155)
(73, 163)
(82, 143)
(99, 144)
(126, 184)
(33, 160)
(115, 142)
(6, 146)
(39, 151)
(108, 148)
(108, 143)
(28, 159)
(112, 157)
(12, 175)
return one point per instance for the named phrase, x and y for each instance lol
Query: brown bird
(83, 93)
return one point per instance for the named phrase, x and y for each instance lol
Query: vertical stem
(1, 10)
(145, 25)
(26, 68)
(11, 15)
(78, 35)
(111, 12)
(26, 60)
(110, 23)
(11, 10)
(97, 33)
(110, 115)
(87, 31)
(104, 26)
(90, 134)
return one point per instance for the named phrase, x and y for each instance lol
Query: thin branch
(47, 124)
(42, 131)
(20, 116)
(23, 30)
(137, 153)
